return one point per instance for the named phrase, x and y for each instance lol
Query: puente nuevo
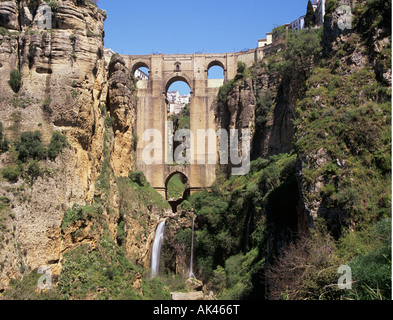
(164, 70)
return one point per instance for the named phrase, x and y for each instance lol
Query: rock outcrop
(122, 102)
(63, 84)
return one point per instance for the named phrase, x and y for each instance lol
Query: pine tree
(309, 20)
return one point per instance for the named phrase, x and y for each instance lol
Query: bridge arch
(216, 63)
(184, 179)
(174, 78)
(140, 64)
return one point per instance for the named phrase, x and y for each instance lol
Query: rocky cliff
(67, 86)
(323, 97)
(319, 113)
(63, 83)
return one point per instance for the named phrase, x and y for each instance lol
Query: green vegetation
(56, 145)
(136, 189)
(295, 62)
(30, 146)
(343, 116)
(81, 213)
(242, 73)
(4, 143)
(5, 213)
(230, 238)
(138, 177)
(52, 4)
(12, 173)
(19, 102)
(175, 187)
(15, 81)
(30, 150)
(104, 274)
(309, 20)
(264, 105)
(307, 269)
(182, 119)
(29, 172)
(355, 132)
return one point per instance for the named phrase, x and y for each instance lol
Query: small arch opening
(177, 189)
(140, 72)
(216, 72)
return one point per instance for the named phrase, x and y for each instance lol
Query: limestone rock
(63, 84)
(194, 284)
(9, 15)
(181, 296)
(122, 107)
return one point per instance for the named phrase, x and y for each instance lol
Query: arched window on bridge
(215, 75)
(141, 75)
(178, 98)
(176, 186)
(177, 189)
(216, 72)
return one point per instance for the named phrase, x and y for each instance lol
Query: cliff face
(64, 87)
(63, 83)
(84, 210)
(122, 103)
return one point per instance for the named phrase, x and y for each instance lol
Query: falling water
(156, 253)
(191, 275)
(247, 236)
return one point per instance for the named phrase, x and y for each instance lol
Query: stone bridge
(193, 69)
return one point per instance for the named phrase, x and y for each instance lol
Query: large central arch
(151, 109)
(174, 78)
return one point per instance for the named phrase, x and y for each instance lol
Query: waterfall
(156, 253)
(191, 275)
(247, 236)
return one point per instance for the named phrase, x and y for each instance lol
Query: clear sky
(188, 26)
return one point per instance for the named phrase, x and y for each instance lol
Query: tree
(309, 20)
(57, 144)
(15, 81)
(3, 140)
(30, 146)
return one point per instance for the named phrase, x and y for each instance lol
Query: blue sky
(175, 26)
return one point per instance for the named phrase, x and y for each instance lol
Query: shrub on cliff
(12, 173)
(30, 146)
(138, 177)
(57, 144)
(3, 140)
(15, 80)
(52, 4)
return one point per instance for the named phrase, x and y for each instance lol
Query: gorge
(76, 195)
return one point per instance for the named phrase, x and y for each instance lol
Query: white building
(177, 102)
(320, 12)
(140, 75)
(268, 40)
(298, 24)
